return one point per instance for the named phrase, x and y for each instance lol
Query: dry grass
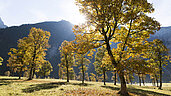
(11, 86)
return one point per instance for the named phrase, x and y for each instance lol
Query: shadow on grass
(110, 87)
(138, 92)
(141, 92)
(38, 87)
(81, 84)
(9, 79)
(5, 81)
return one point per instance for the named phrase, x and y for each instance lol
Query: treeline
(150, 61)
(29, 56)
(29, 59)
(123, 23)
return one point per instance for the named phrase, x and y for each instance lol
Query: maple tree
(30, 54)
(82, 62)
(37, 44)
(158, 56)
(45, 69)
(67, 57)
(123, 22)
(92, 77)
(102, 65)
(12, 61)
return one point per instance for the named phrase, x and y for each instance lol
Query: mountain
(60, 31)
(2, 24)
(164, 34)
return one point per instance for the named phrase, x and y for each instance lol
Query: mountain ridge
(61, 30)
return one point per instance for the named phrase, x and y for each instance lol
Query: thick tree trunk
(139, 80)
(115, 78)
(160, 67)
(123, 90)
(104, 76)
(30, 75)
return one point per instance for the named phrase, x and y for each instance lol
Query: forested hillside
(61, 31)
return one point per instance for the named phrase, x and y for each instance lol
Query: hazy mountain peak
(2, 24)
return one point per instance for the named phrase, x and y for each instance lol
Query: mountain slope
(60, 31)
(2, 24)
(164, 34)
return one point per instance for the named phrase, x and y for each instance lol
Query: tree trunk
(115, 78)
(33, 72)
(30, 75)
(139, 80)
(157, 81)
(104, 75)
(20, 73)
(82, 73)
(154, 82)
(143, 80)
(67, 66)
(32, 65)
(160, 67)
(123, 90)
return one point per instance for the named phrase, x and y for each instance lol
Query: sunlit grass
(11, 86)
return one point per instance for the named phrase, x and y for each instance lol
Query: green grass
(11, 86)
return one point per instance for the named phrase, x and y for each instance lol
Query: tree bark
(160, 67)
(82, 72)
(32, 65)
(157, 81)
(115, 77)
(30, 75)
(33, 72)
(104, 75)
(123, 90)
(139, 80)
(67, 66)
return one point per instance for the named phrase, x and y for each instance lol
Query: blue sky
(17, 12)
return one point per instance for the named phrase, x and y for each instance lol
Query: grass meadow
(11, 86)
